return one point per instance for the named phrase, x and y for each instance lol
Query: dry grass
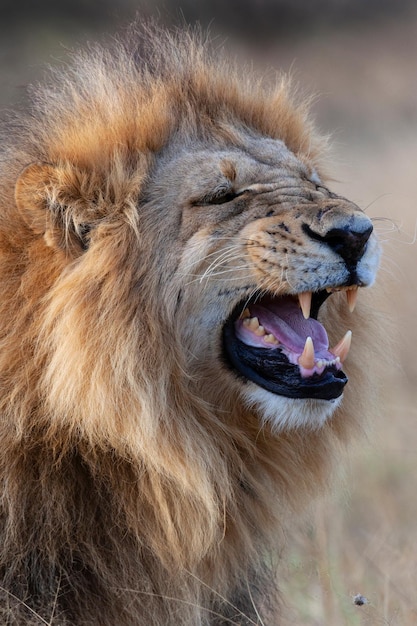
(361, 540)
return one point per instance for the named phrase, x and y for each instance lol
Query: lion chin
(283, 413)
(179, 319)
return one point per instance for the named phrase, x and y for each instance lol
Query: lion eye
(222, 195)
(223, 198)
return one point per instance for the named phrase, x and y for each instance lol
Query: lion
(178, 284)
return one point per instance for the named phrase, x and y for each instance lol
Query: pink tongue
(286, 322)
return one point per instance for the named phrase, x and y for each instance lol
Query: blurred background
(360, 58)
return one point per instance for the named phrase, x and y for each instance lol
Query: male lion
(169, 395)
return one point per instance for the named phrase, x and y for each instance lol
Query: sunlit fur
(129, 496)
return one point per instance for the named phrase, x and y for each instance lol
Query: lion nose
(349, 244)
(349, 240)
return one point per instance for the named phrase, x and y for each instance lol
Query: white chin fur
(289, 413)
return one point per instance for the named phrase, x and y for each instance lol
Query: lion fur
(126, 497)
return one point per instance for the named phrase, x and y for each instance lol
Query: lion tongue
(287, 323)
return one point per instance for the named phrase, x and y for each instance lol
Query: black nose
(349, 243)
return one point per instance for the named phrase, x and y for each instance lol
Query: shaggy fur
(138, 487)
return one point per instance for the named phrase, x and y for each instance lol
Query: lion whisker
(396, 228)
(220, 252)
(227, 271)
(247, 276)
(222, 258)
(225, 279)
(382, 195)
(224, 251)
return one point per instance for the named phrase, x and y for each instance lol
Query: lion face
(228, 244)
(244, 245)
(264, 245)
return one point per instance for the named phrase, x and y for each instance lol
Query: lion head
(178, 290)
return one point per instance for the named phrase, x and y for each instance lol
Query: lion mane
(153, 193)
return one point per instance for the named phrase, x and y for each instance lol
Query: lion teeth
(341, 349)
(271, 339)
(351, 294)
(306, 359)
(351, 297)
(305, 303)
(245, 314)
(252, 323)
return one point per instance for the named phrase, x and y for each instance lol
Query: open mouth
(278, 343)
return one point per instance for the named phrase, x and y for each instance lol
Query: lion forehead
(199, 174)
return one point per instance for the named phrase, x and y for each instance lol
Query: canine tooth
(351, 297)
(305, 303)
(271, 339)
(260, 331)
(341, 349)
(306, 359)
(245, 314)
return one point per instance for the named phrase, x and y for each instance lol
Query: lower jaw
(272, 371)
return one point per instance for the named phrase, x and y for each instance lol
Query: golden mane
(127, 496)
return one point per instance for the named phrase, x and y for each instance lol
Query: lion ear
(50, 200)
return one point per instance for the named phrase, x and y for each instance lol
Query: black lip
(271, 370)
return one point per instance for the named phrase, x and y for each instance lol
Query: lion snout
(346, 234)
